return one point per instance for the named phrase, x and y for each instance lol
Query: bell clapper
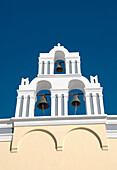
(75, 108)
(43, 109)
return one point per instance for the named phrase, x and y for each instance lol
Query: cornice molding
(7, 125)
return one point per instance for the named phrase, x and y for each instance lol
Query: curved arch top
(39, 130)
(58, 48)
(59, 55)
(69, 83)
(79, 83)
(89, 130)
(43, 85)
(40, 84)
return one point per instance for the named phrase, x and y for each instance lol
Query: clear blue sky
(30, 27)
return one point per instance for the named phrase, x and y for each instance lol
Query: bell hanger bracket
(76, 93)
(69, 94)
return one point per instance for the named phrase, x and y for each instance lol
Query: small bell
(43, 104)
(59, 67)
(75, 102)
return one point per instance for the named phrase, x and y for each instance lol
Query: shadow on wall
(60, 141)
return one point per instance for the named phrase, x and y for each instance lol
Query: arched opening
(43, 87)
(59, 65)
(43, 112)
(59, 62)
(76, 87)
(72, 110)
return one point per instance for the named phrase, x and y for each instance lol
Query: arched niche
(57, 49)
(81, 110)
(43, 87)
(45, 132)
(76, 86)
(59, 56)
(46, 112)
(90, 131)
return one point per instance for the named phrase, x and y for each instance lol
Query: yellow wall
(67, 147)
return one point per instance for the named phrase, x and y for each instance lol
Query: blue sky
(30, 27)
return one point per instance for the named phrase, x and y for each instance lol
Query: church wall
(80, 148)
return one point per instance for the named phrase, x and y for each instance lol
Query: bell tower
(59, 86)
(49, 125)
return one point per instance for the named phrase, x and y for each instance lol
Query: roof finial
(58, 44)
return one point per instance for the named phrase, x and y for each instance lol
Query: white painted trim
(6, 134)
(5, 120)
(6, 126)
(6, 137)
(59, 120)
(6, 123)
(111, 133)
(112, 119)
(58, 75)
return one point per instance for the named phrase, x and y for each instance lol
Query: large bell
(75, 102)
(43, 104)
(59, 67)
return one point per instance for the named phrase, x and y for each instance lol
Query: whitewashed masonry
(59, 85)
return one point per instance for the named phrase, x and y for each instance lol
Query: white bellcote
(47, 61)
(59, 86)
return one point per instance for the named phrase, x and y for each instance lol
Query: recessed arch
(76, 84)
(43, 85)
(58, 48)
(59, 55)
(90, 131)
(39, 130)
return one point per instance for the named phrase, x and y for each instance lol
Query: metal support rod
(59, 62)
(76, 93)
(42, 94)
(69, 94)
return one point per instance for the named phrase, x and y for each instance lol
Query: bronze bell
(75, 102)
(59, 67)
(43, 104)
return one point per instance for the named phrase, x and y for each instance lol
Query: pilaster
(95, 104)
(88, 104)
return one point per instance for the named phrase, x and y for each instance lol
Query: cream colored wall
(80, 147)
